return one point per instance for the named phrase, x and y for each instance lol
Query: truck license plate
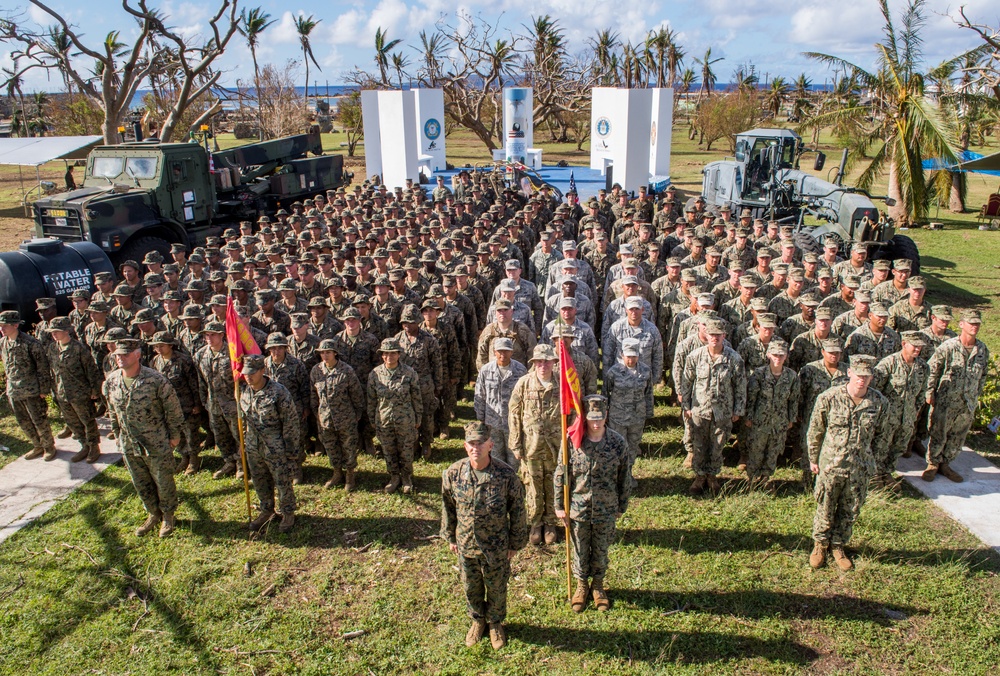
(60, 221)
(58, 212)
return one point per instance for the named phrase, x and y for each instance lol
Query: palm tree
(304, 26)
(251, 25)
(605, 44)
(905, 124)
(775, 96)
(399, 64)
(383, 46)
(60, 42)
(708, 77)
(632, 66)
(675, 57)
(801, 105)
(432, 53)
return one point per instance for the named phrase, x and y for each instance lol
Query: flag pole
(566, 473)
(243, 451)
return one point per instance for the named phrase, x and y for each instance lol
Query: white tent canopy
(36, 151)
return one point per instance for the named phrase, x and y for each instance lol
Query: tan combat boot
(579, 600)
(228, 469)
(95, 453)
(33, 453)
(261, 520)
(182, 464)
(697, 486)
(50, 454)
(65, 433)
(742, 464)
(818, 557)
(688, 460)
(393, 484)
(535, 537)
(498, 635)
(350, 481)
(151, 522)
(336, 479)
(85, 451)
(287, 521)
(946, 471)
(551, 535)
(297, 475)
(929, 473)
(407, 483)
(194, 464)
(840, 556)
(167, 527)
(601, 599)
(713, 485)
(475, 633)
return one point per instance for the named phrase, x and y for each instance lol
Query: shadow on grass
(324, 532)
(702, 541)
(936, 263)
(665, 647)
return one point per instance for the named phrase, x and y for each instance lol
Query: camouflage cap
(104, 277)
(60, 324)
(567, 302)
(218, 299)
(503, 344)
(942, 312)
(214, 326)
(862, 296)
(971, 316)
(389, 345)
(915, 338)
(879, 310)
(715, 326)
(477, 431)
(163, 338)
(748, 282)
(881, 264)
(630, 347)
(350, 313)
(902, 264)
(633, 303)
(809, 300)
(410, 315)
(252, 363)
(126, 346)
(316, 301)
(862, 365)
(767, 320)
(299, 319)
(832, 345)
(543, 353)
(276, 339)
(503, 304)
(916, 283)
(98, 306)
(80, 294)
(144, 315)
(114, 335)
(48, 303)
(778, 347)
(597, 406)
(328, 345)
(824, 312)
(191, 311)
(758, 304)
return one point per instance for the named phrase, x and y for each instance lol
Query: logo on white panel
(432, 129)
(603, 126)
(652, 134)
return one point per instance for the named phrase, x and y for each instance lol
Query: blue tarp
(965, 156)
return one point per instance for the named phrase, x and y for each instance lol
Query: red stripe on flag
(569, 387)
(240, 339)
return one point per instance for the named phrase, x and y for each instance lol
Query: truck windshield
(108, 167)
(141, 167)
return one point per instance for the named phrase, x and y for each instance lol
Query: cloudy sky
(770, 33)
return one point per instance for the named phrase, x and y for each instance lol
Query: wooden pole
(243, 452)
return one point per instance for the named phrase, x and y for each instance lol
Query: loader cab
(760, 152)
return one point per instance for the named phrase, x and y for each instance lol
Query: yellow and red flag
(569, 395)
(240, 339)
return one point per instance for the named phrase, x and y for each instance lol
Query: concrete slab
(29, 488)
(974, 503)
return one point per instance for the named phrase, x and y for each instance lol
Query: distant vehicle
(146, 195)
(765, 178)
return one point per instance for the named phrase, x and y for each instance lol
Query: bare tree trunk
(899, 211)
(956, 198)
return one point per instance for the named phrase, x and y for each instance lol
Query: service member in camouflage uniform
(215, 384)
(535, 432)
(902, 379)
(178, 368)
(599, 477)
(815, 378)
(483, 521)
(76, 386)
(421, 351)
(338, 403)
(957, 374)
(147, 420)
(494, 385)
(628, 387)
(395, 407)
(271, 439)
(29, 380)
(291, 373)
(772, 407)
(848, 423)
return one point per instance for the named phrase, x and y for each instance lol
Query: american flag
(572, 182)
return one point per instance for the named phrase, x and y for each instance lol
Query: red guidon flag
(569, 395)
(240, 339)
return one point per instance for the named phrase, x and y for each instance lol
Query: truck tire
(137, 248)
(901, 246)
(807, 243)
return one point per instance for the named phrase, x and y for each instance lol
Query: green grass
(698, 586)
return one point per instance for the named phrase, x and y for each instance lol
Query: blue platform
(588, 181)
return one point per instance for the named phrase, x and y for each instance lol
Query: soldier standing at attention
(215, 383)
(338, 403)
(713, 397)
(629, 389)
(957, 375)
(494, 385)
(848, 423)
(772, 407)
(600, 483)
(902, 379)
(76, 385)
(178, 368)
(29, 380)
(535, 432)
(395, 407)
(814, 378)
(484, 523)
(147, 420)
(271, 440)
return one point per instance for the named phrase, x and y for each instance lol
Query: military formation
(378, 310)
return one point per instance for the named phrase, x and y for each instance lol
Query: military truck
(764, 177)
(137, 197)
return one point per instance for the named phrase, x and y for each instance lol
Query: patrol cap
(902, 264)
(428, 305)
(350, 313)
(504, 304)
(144, 315)
(328, 345)
(916, 283)
(60, 324)
(832, 345)
(971, 317)
(276, 339)
(862, 365)
(706, 299)
(748, 282)
(915, 338)
(98, 306)
(630, 347)
(779, 269)
(809, 300)
(218, 299)
(80, 294)
(824, 273)
(824, 312)
(13, 317)
(46, 303)
(777, 347)
(688, 275)
(126, 346)
(477, 431)
(630, 279)
(252, 363)
(863, 296)
(633, 302)
(567, 301)
(882, 264)
(852, 282)
(508, 285)
(214, 326)
(104, 277)
(543, 353)
(162, 338)
(714, 326)
(503, 344)
(767, 320)
(512, 264)
(859, 247)
(191, 311)
(736, 266)
(389, 345)
(939, 311)
(879, 310)
(758, 304)
(410, 315)
(596, 406)
(299, 319)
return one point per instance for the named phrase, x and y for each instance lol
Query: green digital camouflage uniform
(630, 403)
(271, 440)
(423, 354)
(600, 483)
(955, 382)
(29, 379)
(215, 384)
(535, 431)
(841, 440)
(904, 388)
(145, 416)
(483, 515)
(772, 405)
(292, 373)
(338, 403)
(180, 371)
(814, 379)
(864, 341)
(395, 407)
(714, 390)
(75, 379)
